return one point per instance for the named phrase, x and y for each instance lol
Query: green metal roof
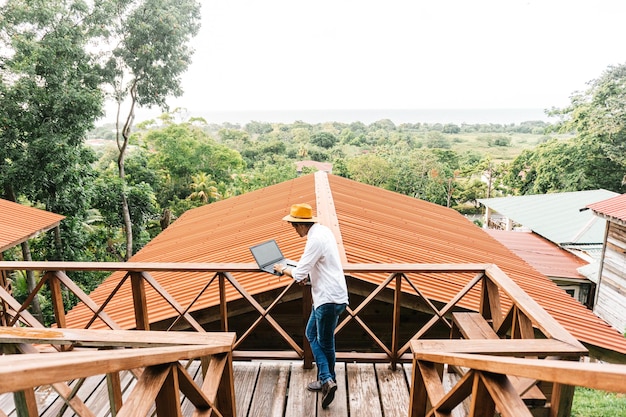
(558, 217)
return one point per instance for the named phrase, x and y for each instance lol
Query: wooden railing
(153, 357)
(488, 384)
(484, 288)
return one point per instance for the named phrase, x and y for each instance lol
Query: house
(611, 285)
(20, 223)
(371, 225)
(327, 167)
(561, 266)
(558, 218)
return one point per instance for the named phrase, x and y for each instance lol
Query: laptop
(267, 254)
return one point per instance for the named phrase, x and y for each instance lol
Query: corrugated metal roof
(557, 216)
(20, 223)
(544, 256)
(613, 208)
(377, 226)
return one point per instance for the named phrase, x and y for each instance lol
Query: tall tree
(50, 96)
(598, 115)
(152, 54)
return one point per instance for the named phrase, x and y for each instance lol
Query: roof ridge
(326, 213)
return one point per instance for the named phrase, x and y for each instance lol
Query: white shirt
(322, 263)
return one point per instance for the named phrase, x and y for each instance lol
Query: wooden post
(168, 398)
(561, 400)
(226, 392)
(223, 304)
(306, 312)
(114, 386)
(490, 307)
(482, 403)
(25, 403)
(139, 301)
(397, 302)
(418, 400)
(57, 298)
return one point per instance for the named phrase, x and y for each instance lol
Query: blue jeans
(320, 332)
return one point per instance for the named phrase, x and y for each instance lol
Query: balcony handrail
(496, 282)
(505, 307)
(154, 358)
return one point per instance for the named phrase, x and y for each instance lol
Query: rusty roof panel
(544, 256)
(613, 208)
(20, 223)
(377, 226)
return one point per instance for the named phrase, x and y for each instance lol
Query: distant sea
(367, 116)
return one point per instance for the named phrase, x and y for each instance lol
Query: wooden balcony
(507, 351)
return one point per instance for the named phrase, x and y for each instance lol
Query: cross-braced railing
(481, 288)
(158, 361)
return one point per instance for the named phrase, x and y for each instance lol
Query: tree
(177, 152)
(325, 140)
(598, 115)
(560, 166)
(152, 55)
(50, 97)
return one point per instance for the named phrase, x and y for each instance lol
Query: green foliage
(595, 403)
(325, 140)
(598, 116)
(560, 166)
(436, 139)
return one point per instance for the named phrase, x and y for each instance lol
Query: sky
(393, 54)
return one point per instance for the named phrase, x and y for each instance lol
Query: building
(610, 301)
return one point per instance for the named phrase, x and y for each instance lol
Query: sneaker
(328, 393)
(314, 386)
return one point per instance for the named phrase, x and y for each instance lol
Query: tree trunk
(122, 145)
(31, 282)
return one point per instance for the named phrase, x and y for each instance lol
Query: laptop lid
(267, 254)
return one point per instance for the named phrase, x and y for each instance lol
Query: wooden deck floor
(270, 389)
(279, 389)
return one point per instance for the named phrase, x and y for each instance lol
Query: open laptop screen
(267, 253)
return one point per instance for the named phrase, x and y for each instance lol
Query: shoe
(314, 386)
(328, 393)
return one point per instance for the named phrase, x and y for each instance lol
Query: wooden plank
(607, 377)
(394, 390)
(145, 392)
(503, 394)
(301, 402)
(124, 338)
(168, 398)
(271, 390)
(246, 374)
(339, 407)
(432, 384)
(508, 347)
(42, 369)
(540, 317)
(473, 326)
(363, 396)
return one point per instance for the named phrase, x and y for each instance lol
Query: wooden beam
(326, 213)
(607, 377)
(145, 392)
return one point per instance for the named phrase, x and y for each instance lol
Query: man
(320, 265)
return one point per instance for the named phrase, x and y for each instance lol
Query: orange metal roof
(20, 223)
(613, 208)
(541, 254)
(376, 226)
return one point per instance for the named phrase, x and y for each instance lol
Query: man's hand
(280, 268)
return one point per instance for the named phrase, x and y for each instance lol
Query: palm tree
(204, 188)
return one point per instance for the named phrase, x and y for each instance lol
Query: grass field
(594, 403)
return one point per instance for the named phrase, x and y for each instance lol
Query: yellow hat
(301, 213)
